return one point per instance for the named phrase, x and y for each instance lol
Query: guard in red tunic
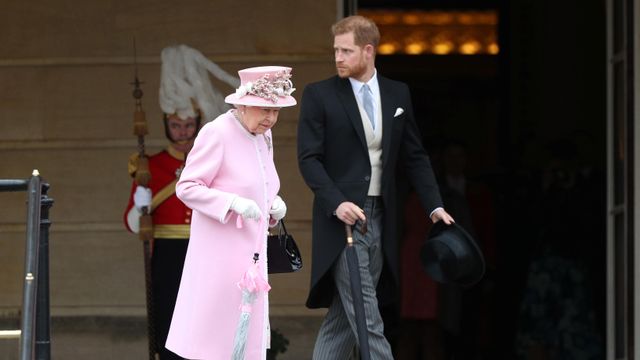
(171, 222)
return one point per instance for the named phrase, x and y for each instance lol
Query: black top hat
(450, 255)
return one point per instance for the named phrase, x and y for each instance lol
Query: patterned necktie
(367, 103)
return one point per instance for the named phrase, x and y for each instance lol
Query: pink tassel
(252, 281)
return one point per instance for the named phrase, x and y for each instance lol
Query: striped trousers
(338, 335)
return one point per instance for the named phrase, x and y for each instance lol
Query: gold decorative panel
(418, 32)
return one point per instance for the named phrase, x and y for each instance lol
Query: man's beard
(352, 72)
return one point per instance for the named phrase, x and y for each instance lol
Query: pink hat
(264, 86)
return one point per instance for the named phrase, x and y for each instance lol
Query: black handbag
(283, 255)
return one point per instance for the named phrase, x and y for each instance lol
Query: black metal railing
(35, 335)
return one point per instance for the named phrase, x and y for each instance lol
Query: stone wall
(66, 109)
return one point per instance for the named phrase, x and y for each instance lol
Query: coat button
(367, 178)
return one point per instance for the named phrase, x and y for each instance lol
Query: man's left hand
(441, 214)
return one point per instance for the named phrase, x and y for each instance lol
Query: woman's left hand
(278, 209)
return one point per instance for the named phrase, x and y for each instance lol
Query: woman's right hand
(246, 208)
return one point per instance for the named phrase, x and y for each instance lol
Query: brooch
(268, 141)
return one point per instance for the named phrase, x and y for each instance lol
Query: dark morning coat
(334, 162)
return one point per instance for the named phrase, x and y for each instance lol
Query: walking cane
(145, 234)
(356, 293)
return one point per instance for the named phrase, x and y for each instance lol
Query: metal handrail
(34, 334)
(10, 334)
(13, 185)
(27, 338)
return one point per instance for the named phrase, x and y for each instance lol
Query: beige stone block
(96, 269)
(87, 269)
(87, 185)
(72, 29)
(77, 103)
(11, 268)
(95, 102)
(293, 190)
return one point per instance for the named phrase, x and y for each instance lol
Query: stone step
(125, 337)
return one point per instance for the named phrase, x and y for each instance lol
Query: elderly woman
(231, 183)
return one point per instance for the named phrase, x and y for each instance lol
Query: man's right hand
(246, 208)
(349, 213)
(142, 197)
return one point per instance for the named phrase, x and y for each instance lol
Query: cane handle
(347, 228)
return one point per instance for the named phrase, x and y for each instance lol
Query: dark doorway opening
(531, 121)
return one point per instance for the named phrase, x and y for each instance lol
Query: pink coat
(226, 161)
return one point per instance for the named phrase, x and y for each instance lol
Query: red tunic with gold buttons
(171, 218)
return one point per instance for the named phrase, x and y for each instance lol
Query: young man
(355, 130)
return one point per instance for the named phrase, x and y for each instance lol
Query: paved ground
(109, 338)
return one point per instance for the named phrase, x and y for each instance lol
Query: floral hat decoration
(264, 86)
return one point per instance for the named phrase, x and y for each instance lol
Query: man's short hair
(364, 30)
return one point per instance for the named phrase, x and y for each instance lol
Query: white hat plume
(185, 77)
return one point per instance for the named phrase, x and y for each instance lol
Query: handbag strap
(284, 228)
